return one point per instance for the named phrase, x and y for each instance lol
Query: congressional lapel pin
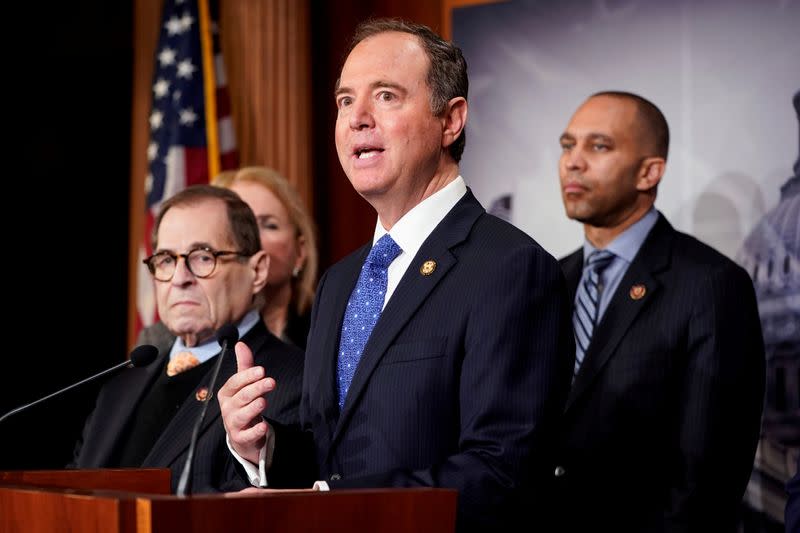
(202, 394)
(427, 267)
(638, 291)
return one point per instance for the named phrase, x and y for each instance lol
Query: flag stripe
(227, 137)
(190, 122)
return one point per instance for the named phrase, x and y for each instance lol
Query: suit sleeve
(294, 460)
(516, 368)
(793, 501)
(722, 399)
(76, 450)
(146, 336)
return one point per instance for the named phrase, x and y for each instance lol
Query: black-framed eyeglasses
(201, 262)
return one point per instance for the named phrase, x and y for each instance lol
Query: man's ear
(259, 262)
(650, 173)
(454, 119)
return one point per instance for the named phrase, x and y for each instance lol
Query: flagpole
(210, 89)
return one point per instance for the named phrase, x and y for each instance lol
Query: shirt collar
(415, 226)
(626, 245)
(211, 347)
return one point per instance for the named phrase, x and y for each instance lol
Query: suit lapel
(118, 407)
(653, 257)
(410, 294)
(175, 438)
(340, 284)
(572, 266)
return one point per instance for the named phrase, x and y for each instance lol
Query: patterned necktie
(363, 310)
(182, 362)
(587, 302)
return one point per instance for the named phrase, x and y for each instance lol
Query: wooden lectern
(138, 501)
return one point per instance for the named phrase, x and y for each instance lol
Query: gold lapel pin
(202, 394)
(427, 267)
(638, 292)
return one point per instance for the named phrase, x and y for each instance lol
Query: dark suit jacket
(463, 377)
(793, 502)
(296, 332)
(660, 427)
(213, 464)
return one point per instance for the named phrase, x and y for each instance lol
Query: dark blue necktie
(587, 302)
(363, 310)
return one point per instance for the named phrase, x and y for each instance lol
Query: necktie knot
(384, 252)
(599, 260)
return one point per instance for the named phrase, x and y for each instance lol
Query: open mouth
(366, 152)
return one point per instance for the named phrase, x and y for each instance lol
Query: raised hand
(241, 401)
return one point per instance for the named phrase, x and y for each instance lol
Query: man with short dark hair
(209, 270)
(660, 427)
(440, 353)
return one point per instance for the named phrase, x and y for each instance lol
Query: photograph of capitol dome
(771, 254)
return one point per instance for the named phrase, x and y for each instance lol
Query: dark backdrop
(67, 182)
(65, 218)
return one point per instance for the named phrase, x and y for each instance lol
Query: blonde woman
(287, 235)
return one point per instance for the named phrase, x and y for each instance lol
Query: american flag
(191, 132)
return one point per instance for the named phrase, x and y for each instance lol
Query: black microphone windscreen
(143, 355)
(227, 333)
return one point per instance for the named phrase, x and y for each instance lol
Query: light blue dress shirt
(211, 347)
(624, 247)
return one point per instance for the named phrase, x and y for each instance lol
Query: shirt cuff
(257, 475)
(321, 486)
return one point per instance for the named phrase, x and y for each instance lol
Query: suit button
(559, 471)
(335, 477)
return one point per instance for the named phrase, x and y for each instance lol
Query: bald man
(660, 427)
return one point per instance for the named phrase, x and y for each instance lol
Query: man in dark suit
(209, 270)
(461, 380)
(660, 427)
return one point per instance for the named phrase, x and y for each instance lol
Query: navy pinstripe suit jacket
(214, 467)
(792, 514)
(660, 427)
(462, 378)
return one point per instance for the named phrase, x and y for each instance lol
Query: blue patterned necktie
(363, 310)
(587, 302)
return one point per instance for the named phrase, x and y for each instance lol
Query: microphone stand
(185, 482)
(141, 356)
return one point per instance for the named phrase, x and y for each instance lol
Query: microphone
(140, 356)
(226, 335)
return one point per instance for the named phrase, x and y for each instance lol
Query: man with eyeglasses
(208, 269)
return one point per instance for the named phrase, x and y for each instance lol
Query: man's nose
(361, 114)
(182, 275)
(574, 160)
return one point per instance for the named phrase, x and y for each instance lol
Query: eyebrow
(380, 84)
(194, 246)
(600, 137)
(591, 136)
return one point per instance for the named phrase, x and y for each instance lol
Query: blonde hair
(303, 286)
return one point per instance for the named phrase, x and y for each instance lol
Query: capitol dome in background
(771, 254)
